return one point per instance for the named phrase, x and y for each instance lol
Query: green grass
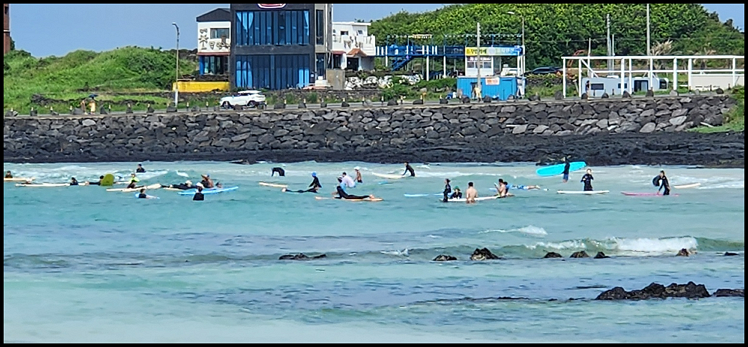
(111, 75)
(734, 120)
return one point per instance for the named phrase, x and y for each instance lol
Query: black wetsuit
(182, 186)
(313, 187)
(566, 170)
(142, 196)
(456, 195)
(132, 185)
(343, 195)
(587, 179)
(279, 170)
(74, 183)
(664, 184)
(97, 183)
(198, 196)
(140, 170)
(447, 190)
(409, 168)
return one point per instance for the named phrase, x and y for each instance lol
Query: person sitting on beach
(457, 194)
(409, 168)
(8, 174)
(183, 186)
(279, 170)
(140, 169)
(471, 194)
(207, 182)
(341, 194)
(199, 196)
(133, 181)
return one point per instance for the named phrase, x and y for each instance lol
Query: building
(6, 29)
(279, 46)
(352, 46)
(214, 42)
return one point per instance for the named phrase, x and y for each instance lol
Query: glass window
(597, 86)
(219, 33)
(344, 32)
(320, 27)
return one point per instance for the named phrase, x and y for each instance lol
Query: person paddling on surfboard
(140, 169)
(567, 166)
(587, 180)
(313, 187)
(447, 190)
(662, 181)
(97, 183)
(133, 181)
(73, 181)
(409, 168)
(341, 194)
(183, 186)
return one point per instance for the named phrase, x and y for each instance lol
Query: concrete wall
(352, 130)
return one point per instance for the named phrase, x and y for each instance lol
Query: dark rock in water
(444, 257)
(601, 255)
(483, 254)
(729, 292)
(727, 254)
(552, 255)
(657, 291)
(301, 256)
(242, 162)
(580, 254)
(683, 253)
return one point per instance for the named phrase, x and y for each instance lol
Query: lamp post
(478, 62)
(176, 81)
(522, 64)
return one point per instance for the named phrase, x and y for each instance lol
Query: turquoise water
(83, 264)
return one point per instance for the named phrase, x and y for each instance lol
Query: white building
(352, 46)
(214, 41)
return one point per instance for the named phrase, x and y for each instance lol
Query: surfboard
(19, 179)
(369, 200)
(149, 196)
(582, 192)
(43, 185)
(209, 191)
(136, 189)
(482, 198)
(173, 189)
(558, 169)
(389, 176)
(645, 194)
(107, 181)
(420, 195)
(274, 185)
(686, 186)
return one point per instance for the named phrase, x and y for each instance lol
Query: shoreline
(723, 150)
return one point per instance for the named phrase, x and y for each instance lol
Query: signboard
(513, 51)
(493, 81)
(271, 6)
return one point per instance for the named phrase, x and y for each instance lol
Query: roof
(217, 15)
(356, 52)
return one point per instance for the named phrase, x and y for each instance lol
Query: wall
(209, 46)
(111, 137)
(200, 86)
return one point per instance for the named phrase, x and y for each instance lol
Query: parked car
(545, 70)
(252, 98)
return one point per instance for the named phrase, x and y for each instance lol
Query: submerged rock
(444, 257)
(601, 255)
(729, 292)
(483, 254)
(301, 256)
(689, 290)
(580, 254)
(728, 254)
(552, 255)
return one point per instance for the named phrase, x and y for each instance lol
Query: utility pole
(607, 24)
(478, 63)
(176, 82)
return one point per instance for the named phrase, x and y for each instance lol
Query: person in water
(313, 187)
(183, 186)
(587, 180)
(207, 182)
(140, 169)
(97, 183)
(199, 196)
(457, 194)
(133, 181)
(279, 170)
(142, 194)
(73, 181)
(409, 168)
(348, 181)
(663, 183)
(567, 166)
(8, 174)
(502, 189)
(341, 194)
(447, 190)
(359, 179)
(471, 193)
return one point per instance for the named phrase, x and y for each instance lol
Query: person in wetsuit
(313, 187)
(457, 194)
(566, 170)
(142, 194)
(587, 180)
(183, 186)
(447, 190)
(97, 183)
(663, 183)
(8, 174)
(140, 169)
(199, 196)
(207, 182)
(343, 195)
(279, 170)
(409, 168)
(73, 181)
(133, 181)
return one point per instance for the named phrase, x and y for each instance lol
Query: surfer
(567, 166)
(183, 186)
(73, 181)
(140, 169)
(207, 182)
(313, 187)
(358, 175)
(447, 189)
(471, 193)
(502, 189)
(97, 183)
(133, 181)
(8, 174)
(341, 194)
(587, 180)
(662, 181)
(279, 170)
(199, 196)
(457, 194)
(347, 181)
(142, 194)
(409, 168)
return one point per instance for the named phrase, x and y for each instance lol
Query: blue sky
(47, 29)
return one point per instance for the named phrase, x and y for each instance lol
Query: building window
(219, 33)
(272, 71)
(320, 61)
(320, 27)
(597, 86)
(343, 32)
(277, 28)
(360, 32)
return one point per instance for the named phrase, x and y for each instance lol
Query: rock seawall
(507, 131)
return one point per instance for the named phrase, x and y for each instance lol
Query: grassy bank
(734, 120)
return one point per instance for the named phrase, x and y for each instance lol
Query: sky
(49, 29)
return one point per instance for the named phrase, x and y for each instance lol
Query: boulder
(301, 256)
(443, 257)
(729, 292)
(657, 291)
(579, 254)
(601, 255)
(648, 128)
(482, 254)
(552, 255)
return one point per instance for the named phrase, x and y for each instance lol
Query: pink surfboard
(645, 194)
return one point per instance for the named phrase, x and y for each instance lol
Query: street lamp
(176, 81)
(522, 73)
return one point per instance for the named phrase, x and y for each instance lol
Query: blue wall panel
(272, 72)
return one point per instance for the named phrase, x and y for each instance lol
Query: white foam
(622, 246)
(397, 253)
(530, 230)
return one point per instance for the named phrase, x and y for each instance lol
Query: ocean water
(83, 264)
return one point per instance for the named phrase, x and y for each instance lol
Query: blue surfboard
(558, 169)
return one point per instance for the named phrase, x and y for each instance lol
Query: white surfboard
(136, 189)
(494, 197)
(43, 185)
(367, 199)
(388, 176)
(582, 192)
(274, 185)
(686, 186)
(19, 179)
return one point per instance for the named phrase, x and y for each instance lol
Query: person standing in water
(587, 180)
(199, 196)
(359, 179)
(447, 190)
(567, 166)
(663, 183)
(140, 169)
(409, 168)
(471, 193)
